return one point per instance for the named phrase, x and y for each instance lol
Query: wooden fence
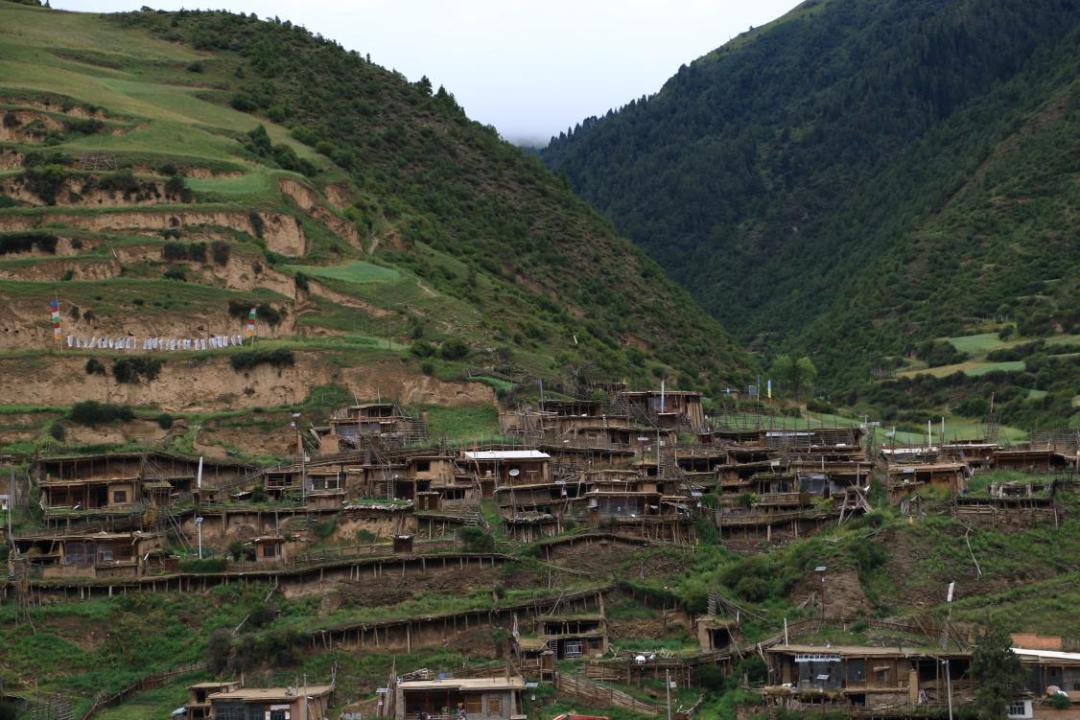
(598, 695)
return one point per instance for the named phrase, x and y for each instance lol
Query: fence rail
(597, 694)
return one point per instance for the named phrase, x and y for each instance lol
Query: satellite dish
(514, 472)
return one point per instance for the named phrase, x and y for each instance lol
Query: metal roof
(506, 455)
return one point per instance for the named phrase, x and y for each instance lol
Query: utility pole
(667, 687)
(944, 644)
(948, 686)
(303, 461)
(198, 527)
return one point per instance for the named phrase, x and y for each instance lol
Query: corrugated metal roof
(506, 455)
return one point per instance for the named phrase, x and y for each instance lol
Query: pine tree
(997, 673)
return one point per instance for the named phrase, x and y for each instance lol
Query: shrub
(25, 242)
(422, 349)
(57, 432)
(427, 367)
(236, 549)
(476, 540)
(175, 272)
(326, 528)
(239, 309)
(243, 103)
(752, 588)
(176, 186)
(45, 182)
(195, 67)
(1059, 702)
(262, 616)
(453, 349)
(257, 223)
(169, 169)
(94, 367)
(302, 282)
(218, 648)
(206, 565)
(165, 421)
(132, 370)
(220, 251)
(248, 359)
(178, 251)
(91, 412)
(365, 536)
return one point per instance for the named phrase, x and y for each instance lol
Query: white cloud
(529, 68)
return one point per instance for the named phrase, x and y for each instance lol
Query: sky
(531, 68)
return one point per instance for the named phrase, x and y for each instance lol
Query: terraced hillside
(164, 174)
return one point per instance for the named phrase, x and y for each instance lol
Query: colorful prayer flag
(251, 322)
(54, 305)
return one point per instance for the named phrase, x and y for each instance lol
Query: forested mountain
(860, 178)
(162, 173)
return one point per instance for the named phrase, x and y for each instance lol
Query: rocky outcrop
(209, 383)
(308, 201)
(282, 233)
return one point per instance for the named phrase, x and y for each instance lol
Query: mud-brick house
(269, 549)
(858, 678)
(102, 554)
(505, 468)
(574, 636)
(1046, 669)
(716, 633)
(369, 425)
(904, 479)
(666, 408)
(486, 698)
(534, 657)
(973, 453)
(288, 703)
(1030, 459)
(198, 705)
(90, 485)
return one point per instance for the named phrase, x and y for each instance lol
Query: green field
(354, 272)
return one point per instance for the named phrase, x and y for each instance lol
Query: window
(474, 705)
(326, 483)
(494, 706)
(856, 670)
(269, 550)
(423, 466)
(1019, 709)
(279, 715)
(119, 496)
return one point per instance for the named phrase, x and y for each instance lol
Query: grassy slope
(462, 236)
(474, 218)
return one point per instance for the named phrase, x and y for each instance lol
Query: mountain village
(368, 497)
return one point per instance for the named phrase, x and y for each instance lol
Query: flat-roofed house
(283, 703)
(198, 706)
(508, 468)
(486, 698)
(855, 677)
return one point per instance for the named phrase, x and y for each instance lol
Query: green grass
(251, 186)
(1063, 340)
(989, 367)
(463, 423)
(155, 703)
(354, 272)
(977, 344)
